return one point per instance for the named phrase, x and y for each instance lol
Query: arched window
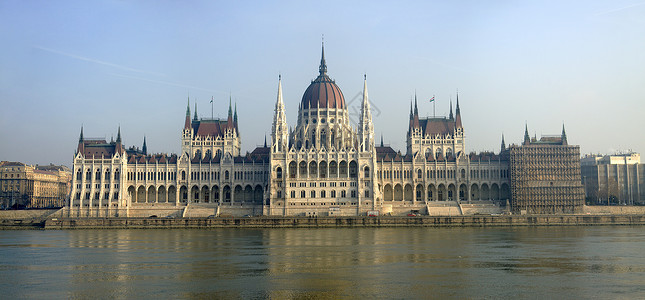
(367, 172)
(183, 175)
(278, 172)
(419, 174)
(226, 175)
(438, 153)
(463, 173)
(78, 174)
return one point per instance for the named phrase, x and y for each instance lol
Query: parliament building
(321, 166)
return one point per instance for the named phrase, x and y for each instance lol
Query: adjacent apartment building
(613, 179)
(25, 186)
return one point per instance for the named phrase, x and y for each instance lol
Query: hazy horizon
(105, 64)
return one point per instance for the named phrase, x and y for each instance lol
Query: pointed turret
(366, 129)
(527, 138)
(119, 144)
(382, 145)
(280, 129)
(195, 117)
(235, 117)
(503, 146)
(564, 136)
(415, 118)
(230, 111)
(451, 116)
(458, 115)
(187, 122)
(265, 140)
(144, 149)
(81, 143)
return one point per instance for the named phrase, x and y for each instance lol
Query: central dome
(323, 92)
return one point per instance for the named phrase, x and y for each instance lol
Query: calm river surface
(403, 263)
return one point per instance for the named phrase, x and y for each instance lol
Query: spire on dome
(323, 65)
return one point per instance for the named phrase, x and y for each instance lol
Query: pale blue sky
(102, 64)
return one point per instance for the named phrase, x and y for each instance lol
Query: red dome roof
(323, 92)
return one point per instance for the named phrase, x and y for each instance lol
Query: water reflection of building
(613, 179)
(324, 165)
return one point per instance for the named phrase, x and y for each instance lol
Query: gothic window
(463, 174)
(367, 172)
(183, 175)
(438, 153)
(419, 174)
(313, 194)
(353, 166)
(333, 194)
(322, 194)
(302, 194)
(226, 175)
(278, 172)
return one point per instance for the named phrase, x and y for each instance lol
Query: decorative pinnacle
(323, 64)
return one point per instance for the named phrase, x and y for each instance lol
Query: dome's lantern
(323, 91)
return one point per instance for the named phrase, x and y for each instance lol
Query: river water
(401, 263)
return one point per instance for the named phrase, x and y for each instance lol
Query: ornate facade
(325, 165)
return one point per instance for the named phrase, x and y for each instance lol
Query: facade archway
(452, 192)
(132, 193)
(152, 195)
(353, 169)
(303, 170)
(194, 194)
(333, 169)
(141, 194)
(258, 194)
(441, 192)
(172, 194)
(494, 191)
(215, 193)
(485, 192)
(237, 194)
(432, 192)
(463, 192)
(474, 192)
(398, 192)
(420, 194)
(205, 195)
(183, 194)
(408, 193)
(388, 193)
(161, 194)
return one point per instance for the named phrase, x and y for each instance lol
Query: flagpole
(212, 114)
(434, 115)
